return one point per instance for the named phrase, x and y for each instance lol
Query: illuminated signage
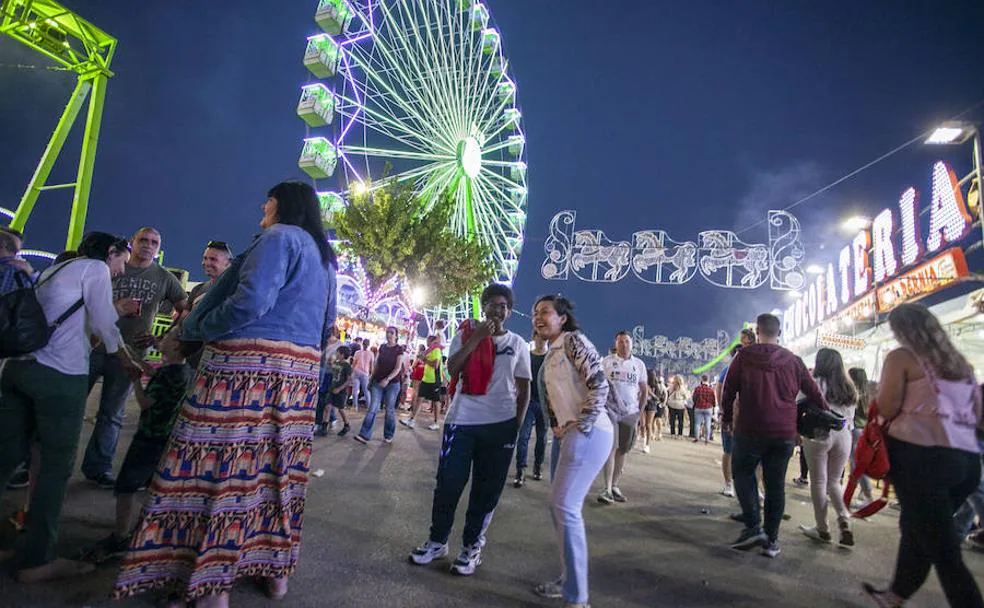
(932, 276)
(876, 256)
(840, 342)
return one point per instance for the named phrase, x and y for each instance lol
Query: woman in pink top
(930, 397)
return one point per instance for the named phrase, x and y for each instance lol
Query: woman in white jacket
(827, 458)
(574, 390)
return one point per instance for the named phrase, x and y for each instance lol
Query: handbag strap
(71, 309)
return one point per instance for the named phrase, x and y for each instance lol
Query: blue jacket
(278, 289)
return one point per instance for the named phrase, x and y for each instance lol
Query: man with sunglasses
(215, 261)
(137, 295)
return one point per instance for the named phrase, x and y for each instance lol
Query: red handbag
(870, 459)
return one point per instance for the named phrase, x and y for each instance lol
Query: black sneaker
(344, 431)
(20, 479)
(104, 481)
(106, 549)
(738, 517)
(320, 430)
(519, 481)
(771, 549)
(537, 474)
(749, 539)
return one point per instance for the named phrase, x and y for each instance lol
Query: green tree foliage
(395, 233)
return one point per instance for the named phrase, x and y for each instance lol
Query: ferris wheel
(421, 87)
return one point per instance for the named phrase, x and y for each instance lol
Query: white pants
(827, 460)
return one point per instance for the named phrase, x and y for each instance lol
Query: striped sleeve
(586, 361)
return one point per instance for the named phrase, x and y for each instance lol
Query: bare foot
(53, 570)
(276, 588)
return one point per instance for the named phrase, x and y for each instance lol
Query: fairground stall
(914, 252)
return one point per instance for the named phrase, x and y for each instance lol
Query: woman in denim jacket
(575, 391)
(227, 500)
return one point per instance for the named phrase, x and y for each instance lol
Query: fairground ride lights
(828, 296)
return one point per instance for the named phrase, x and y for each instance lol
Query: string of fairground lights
(868, 165)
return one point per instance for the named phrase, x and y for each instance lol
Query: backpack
(871, 459)
(23, 326)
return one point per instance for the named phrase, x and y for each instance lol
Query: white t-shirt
(512, 360)
(626, 375)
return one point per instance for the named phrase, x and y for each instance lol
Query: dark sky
(639, 115)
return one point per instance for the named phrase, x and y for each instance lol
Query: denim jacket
(278, 289)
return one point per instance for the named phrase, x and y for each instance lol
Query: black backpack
(23, 326)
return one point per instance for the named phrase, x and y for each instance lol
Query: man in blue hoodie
(769, 378)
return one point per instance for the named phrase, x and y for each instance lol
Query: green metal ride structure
(73, 44)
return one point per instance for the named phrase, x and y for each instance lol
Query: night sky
(638, 115)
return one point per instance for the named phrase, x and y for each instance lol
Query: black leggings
(932, 483)
(676, 422)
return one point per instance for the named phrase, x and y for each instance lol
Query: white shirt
(498, 404)
(68, 349)
(626, 375)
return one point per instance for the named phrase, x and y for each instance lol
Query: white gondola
(331, 203)
(479, 17)
(318, 158)
(516, 143)
(518, 171)
(490, 41)
(497, 65)
(317, 105)
(334, 16)
(322, 56)
(506, 91)
(511, 117)
(518, 195)
(517, 217)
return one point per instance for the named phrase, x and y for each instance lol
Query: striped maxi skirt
(227, 500)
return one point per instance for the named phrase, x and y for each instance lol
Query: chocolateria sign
(892, 262)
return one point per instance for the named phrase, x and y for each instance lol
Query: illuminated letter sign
(881, 235)
(909, 212)
(930, 277)
(845, 265)
(948, 217)
(859, 248)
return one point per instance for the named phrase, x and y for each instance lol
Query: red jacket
(769, 378)
(703, 397)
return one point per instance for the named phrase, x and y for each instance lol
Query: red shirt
(703, 397)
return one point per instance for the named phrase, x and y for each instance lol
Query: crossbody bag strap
(71, 309)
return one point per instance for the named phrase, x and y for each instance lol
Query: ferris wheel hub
(470, 156)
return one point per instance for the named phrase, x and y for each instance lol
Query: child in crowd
(159, 404)
(341, 374)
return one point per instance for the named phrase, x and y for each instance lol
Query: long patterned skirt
(227, 500)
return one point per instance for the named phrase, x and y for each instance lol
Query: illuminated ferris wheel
(424, 87)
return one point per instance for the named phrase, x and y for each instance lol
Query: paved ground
(666, 547)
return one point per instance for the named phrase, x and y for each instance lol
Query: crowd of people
(212, 486)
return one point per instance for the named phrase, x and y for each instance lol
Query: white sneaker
(468, 560)
(645, 449)
(433, 427)
(728, 490)
(410, 424)
(428, 552)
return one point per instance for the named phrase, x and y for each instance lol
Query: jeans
(116, 387)
(324, 396)
(360, 381)
(931, 483)
(581, 457)
(974, 505)
(534, 417)
(827, 459)
(864, 482)
(692, 422)
(704, 417)
(483, 452)
(39, 399)
(377, 395)
(773, 455)
(676, 422)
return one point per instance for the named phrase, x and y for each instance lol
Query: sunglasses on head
(219, 245)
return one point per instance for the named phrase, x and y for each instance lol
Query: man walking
(137, 294)
(768, 377)
(492, 365)
(628, 375)
(704, 403)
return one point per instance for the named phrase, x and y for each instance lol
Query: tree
(396, 235)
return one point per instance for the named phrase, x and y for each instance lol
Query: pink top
(362, 361)
(939, 413)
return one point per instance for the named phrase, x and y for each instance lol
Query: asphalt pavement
(667, 546)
